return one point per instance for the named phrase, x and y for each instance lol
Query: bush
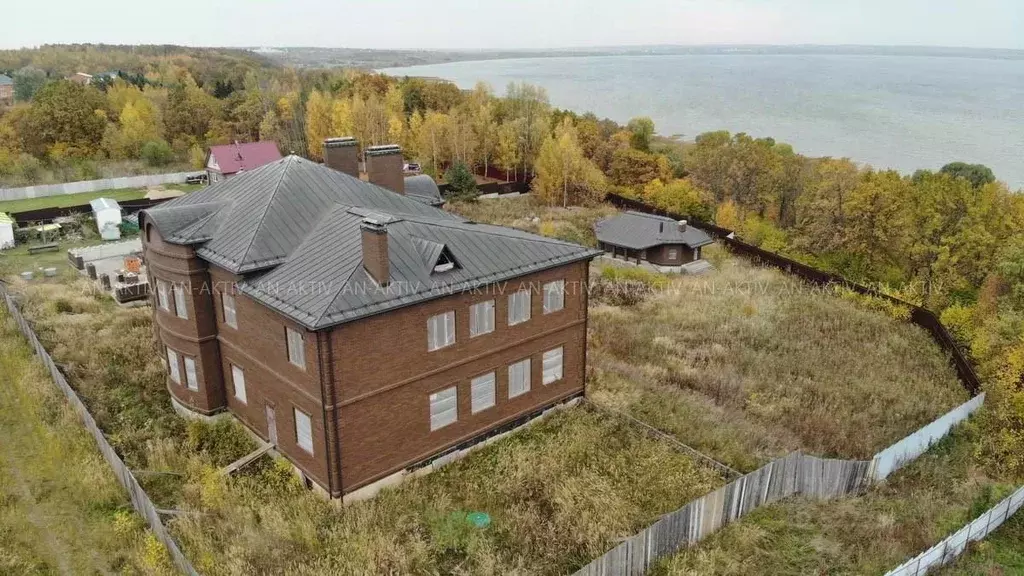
(157, 153)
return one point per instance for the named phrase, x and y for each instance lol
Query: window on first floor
(440, 331)
(238, 379)
(554, 296)
(444, 408)
(172, 366)
(303, 431)
(673, 253)
(481, 318)
(482, 390)
(230, 317)
(519, 378)
(163, 297)
(553, 365)
(191, 382)
(296, 347)
(518, 307)
(180, 307)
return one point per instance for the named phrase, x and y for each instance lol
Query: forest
(950, 238)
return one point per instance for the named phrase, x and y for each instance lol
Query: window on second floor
(481, 318)
(180, 307)
(518, 307)
(554, 296)
(440, 331)
(296, 347)
(163, 296)
(230, 317)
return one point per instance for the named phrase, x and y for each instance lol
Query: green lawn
(65, 200)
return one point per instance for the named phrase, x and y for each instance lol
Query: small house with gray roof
(6, 90)
(657, 240)
(361, 331)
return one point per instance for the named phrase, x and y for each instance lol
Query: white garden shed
(6, 231)
(108, 218)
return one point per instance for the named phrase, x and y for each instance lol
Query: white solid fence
(142, 181)
(140, 500)
(896, 456)
(949, 549)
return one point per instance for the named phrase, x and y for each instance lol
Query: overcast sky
(514, 23)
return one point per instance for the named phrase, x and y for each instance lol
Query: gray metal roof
(5, 80)
(423, 188)
(298, 223)
(254, 220)
(640, 231)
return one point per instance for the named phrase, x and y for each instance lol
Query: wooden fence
(918, 315)
(140, 500)
(949, 549)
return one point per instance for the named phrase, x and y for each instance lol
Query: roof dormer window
(445, 262)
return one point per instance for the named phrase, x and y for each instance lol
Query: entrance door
(271, 425)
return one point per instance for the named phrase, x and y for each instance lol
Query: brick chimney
(342, 154)
(384, 166)
(682, 225)
(375, 248)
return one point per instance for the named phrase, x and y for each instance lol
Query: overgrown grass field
(747, 364)
(61, 509)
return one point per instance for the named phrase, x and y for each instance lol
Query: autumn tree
(67, 116)
(508, 154)
(564, 175)
(319, 123)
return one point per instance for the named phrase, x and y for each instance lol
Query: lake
(904, 112)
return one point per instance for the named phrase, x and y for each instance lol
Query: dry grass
(573, 224)
(560, 493)
(747, 364)
(61, 509)
(871, 534)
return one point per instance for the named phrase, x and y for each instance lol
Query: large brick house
(363, 332)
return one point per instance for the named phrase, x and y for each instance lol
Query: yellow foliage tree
(564, 175)
(319, 126)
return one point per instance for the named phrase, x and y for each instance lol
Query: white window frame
(230, 312)
(173, 366)
(554, 363)
(238, 382)
(303, 430)
(519, 378)
(180, 309)
(673, 253)
(481, 318)
(163, 296)
(296, 347)
(554, 296)
(441, 331)
(191, 381)
(519, 307)
(444, 408)
(483, 392)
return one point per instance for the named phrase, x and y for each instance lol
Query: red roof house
(225, 161)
